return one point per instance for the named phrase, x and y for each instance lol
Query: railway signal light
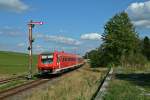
(29, 48)
(31, 25)
(32, 40)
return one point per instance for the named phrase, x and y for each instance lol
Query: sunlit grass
(12, 63)
(79, 85)
(130, 83)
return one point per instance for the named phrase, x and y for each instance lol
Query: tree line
(121, 45)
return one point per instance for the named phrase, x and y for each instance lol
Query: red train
(58, 62)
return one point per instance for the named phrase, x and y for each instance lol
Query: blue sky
(70, 25)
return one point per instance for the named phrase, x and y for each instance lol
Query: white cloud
(139, 13)
(70, 48)
(142, 23)
(21, 44)
(59, 39)
(38, 48)
(13, 5)
(91, 36)
(10, 31)
(38, 35)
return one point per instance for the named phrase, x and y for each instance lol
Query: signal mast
(31, 25)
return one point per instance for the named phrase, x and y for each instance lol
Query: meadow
(130, 83)
(80, 84)
(12, 63)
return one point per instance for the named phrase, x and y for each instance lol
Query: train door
(59, 61)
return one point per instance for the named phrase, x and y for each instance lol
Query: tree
(94, 57)
(146, 47)
(119, 39)
(121, 44)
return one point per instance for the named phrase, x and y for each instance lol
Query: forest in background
(121, 45)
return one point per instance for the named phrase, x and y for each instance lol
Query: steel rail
(20, 88)
(11, 79)
(100, 85)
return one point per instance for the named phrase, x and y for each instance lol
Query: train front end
(46, 62)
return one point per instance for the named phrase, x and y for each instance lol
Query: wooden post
(30, 50)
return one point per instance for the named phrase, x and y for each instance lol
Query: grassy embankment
(12, 63)
(78, 85)
(130, 84)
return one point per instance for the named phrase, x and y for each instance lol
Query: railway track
(17, 89)
(20, 88)
(100, 86)
(11, 79)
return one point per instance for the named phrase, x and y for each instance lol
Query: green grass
(130, 84)
(14, 63)
(80, 84)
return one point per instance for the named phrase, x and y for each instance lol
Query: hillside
(14, 63)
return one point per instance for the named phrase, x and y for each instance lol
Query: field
(78, 85)
(12, 63)
(127, 84)
(130, 84)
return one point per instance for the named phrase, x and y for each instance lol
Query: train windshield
(47, 59)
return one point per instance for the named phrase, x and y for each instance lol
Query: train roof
(47, 53)
(60, 53)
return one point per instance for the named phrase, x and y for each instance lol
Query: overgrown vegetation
(130, 83)
(146, 47)
(80, 84)
(121, 45)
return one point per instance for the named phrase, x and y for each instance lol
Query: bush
(136, 60)
(94, 58)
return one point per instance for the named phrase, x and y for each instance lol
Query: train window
(47, 59)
